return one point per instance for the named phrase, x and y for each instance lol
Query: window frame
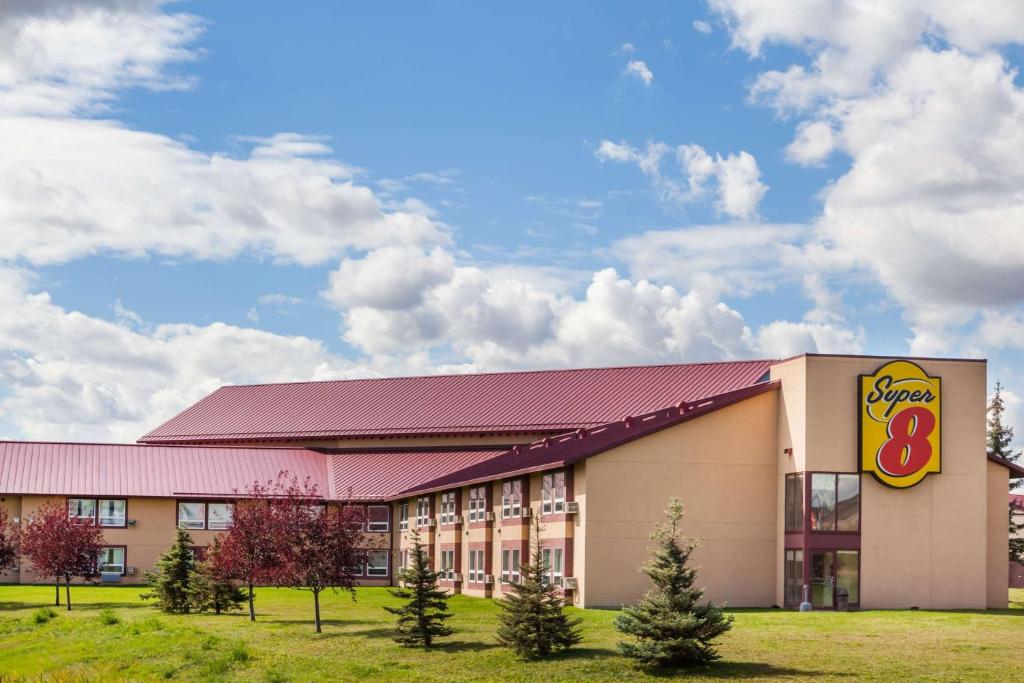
(512, 501)
(423, 509)
(809, 524)
(552, 495)
(124, 558)
(372, 570)
(790, 487)
(403, 515)
(446, 565)
(449, 507)
(511, 561)
(206, 514)
(478, 504)
(95, 517)
(387, 520)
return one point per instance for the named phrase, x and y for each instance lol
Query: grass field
(111, 635)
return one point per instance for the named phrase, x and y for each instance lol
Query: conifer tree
(169, 581)
(669, 624)
(422, 618)
(533, 620)
(1000, 437)
(209, 586)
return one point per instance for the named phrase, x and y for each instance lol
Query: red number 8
(908, 448)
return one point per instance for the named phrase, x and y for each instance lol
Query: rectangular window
(112, 512)
(111, 560)
(478, 504)
(472, 565)
(511, 498)
(82, 508)
(545, 561)
(192, 515)
(794, 577)
(377, 563)
(848, 502)
(553, 493)
(510, 565)
(835, 502)
(403, 516)
(476, 566)
(795, 502)
(377, 517)
(422, 510)
(515, 565)
(403, 560)
(557, 572)
(448, 507)
(447, 564)
(219, 515)
(848, 573)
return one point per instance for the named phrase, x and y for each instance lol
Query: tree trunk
(316, 608)
(56, 590)
(252, 608)
(67, 588)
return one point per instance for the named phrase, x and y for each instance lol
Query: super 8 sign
(900, 424)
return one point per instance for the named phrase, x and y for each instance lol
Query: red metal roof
(561, 451)
(1017, 500)
(162, 471)
(546, 401)
(382, 474)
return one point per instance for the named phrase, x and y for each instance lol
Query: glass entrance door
(823, 579)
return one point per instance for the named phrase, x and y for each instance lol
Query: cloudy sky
(192, 196)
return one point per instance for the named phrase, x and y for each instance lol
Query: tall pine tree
(422, 618)
(170, 579)
(209, 587)
(1000, 437)
(533, 621)
(669, 624)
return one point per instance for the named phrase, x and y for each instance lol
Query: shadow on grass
(740, 670)
(75, 606)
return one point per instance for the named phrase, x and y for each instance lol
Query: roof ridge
(491, 373)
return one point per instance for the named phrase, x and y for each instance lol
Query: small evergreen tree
(533, 619)
(1000, 438)
(170, 579)
(210, 588)
(669, 625)
(423, 617)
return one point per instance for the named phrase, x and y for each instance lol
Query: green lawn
(356, 644)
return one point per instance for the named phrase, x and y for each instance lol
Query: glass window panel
(848, 573)
(377, 563)
(220, 515)
(559, 489)
(823, 502)
(848, 503)
(111, 560)
(794, 577)
(378, 518)
(82, 508)
(547, 485)
(822, 574)
(112, 512)
(794, 502)
(192, 515)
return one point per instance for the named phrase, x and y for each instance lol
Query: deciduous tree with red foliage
(9, 537)
(326, 544)
(253, 548)
(60, 546)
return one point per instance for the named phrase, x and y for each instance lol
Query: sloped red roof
(381, 474)
(561, 451)
(1017, 500)
(40, 468)
(546, 401)
(1016, 470)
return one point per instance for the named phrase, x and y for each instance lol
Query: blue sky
(198, 196)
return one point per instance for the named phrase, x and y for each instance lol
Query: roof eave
(1016, 471)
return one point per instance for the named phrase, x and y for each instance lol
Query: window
(510, 565)
(551, 559)
(795, 502)
(111, 512)
(377, 563)
(478, 504)
(835, 502)
(447, 565)
(448, 507)
(403, 560)
(476, 566)
(848, 573)
(377, 517)
(422, 510)
(220, 515)
(105, 512)
(111, 560)
(553, 493)
(403, 516)
(192, 515)
(511, 498)
(794, 577)
(81, 508)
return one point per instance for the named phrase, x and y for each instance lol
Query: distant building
(856, 479)
(1017, 568)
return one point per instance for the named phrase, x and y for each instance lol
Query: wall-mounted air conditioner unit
(572, 508)
(571, 583)
(489, 580)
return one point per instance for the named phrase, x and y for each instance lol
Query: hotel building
(842, 479)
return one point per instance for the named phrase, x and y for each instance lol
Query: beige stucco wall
(723, 468)
(998, 536)
(925, 546)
